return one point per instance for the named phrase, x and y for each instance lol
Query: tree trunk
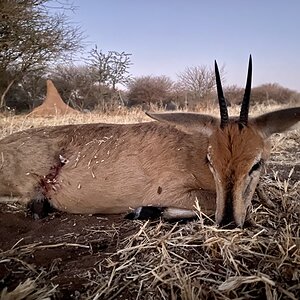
(2, 100)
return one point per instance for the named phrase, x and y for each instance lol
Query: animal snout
(232, 216)
(230, 223)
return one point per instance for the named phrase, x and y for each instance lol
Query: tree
(31, 38)
(110, 68)
(197, 82)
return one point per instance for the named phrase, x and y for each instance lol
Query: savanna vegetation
(106, 257)
(68, 256)
(38, 42)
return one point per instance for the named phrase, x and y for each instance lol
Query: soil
(67, 263)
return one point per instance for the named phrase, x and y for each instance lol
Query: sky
(164, 37)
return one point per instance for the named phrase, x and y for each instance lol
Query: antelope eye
(256, 167)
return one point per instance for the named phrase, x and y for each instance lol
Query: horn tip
(216, 67)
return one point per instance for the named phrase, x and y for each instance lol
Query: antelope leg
(39, 206)
(155, 212)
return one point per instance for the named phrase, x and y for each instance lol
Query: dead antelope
(158, 167)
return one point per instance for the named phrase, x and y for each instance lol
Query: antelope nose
(227, 218)
(229, 222)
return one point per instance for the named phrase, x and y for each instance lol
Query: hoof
(145, 213)
(39, 208)
(170, 214)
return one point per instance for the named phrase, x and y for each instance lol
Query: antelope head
(236, 153)
(237, 148)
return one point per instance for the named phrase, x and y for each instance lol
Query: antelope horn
(222, 102)
(245, 104)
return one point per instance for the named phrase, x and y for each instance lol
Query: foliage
(109, 68)
(145, 90)
(270, 93)
(197, 85)
(31, 38)
(273, 93)
(74, 84)
(234, 94)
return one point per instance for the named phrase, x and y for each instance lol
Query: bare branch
(110, 68)
(31, 38)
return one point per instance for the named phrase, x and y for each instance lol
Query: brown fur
(109, 169)
(234, 152)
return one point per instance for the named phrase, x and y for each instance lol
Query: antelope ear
(278, 121)
(188, 122)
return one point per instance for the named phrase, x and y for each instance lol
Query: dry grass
(28, 290)
(200, 261)
(11, 123)
(195, 260)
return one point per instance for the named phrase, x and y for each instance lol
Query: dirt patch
(63, 248)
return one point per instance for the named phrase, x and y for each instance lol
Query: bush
(234, 94)
(78, 88)
(271, 93)
(148, 90)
